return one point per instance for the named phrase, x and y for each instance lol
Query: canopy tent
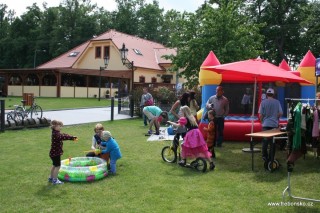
(252, 70)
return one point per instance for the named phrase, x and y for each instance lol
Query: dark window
(153, 80)
(166, 78)
(49, 80)
(106, 52)
(98, 52)
(32, 79)
(142, 79)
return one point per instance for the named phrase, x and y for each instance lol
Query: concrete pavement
(81, 116)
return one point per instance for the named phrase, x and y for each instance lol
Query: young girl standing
(56, 150)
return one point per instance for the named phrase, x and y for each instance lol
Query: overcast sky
(180, 5)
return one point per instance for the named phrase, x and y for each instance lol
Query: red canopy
(254, 70)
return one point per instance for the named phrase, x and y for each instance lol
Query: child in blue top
(111, 146)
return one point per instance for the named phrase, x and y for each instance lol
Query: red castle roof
(211, 60)
(308, 61)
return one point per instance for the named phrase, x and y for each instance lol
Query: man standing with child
(220, 105)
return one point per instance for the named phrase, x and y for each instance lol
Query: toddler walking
(112, 147)
(211, 133)
(56, 150)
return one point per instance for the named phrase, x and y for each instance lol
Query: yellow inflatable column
(307, 71)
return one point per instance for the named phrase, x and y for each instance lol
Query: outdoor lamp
(106, 63)
(124, 54)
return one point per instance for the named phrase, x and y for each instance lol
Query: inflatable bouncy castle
(237, 124)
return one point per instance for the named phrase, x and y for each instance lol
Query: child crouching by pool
(110, 145)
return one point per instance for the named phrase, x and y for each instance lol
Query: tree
(311, 26)
(282, 28)
(125, 19)
(224, 30)
(150, 22)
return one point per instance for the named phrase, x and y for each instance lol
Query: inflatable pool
(83, 169)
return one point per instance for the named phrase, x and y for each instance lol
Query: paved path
(81, 116)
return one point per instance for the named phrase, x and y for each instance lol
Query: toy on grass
(96, 151)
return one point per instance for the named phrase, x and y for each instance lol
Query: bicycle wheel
(273, 165)
(10, 116)
(168, 154)
(19, 109)
(36, 112)
(201, 165)
(20, 113)
(18, 116)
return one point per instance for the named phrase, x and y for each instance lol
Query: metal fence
(2, 113)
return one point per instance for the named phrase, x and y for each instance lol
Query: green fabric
(297, 126)
(171, 116)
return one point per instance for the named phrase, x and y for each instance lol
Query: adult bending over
(155, 116)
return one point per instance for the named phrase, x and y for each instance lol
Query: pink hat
(182, 121)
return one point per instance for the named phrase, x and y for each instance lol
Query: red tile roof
(151, 57)
(64, 61)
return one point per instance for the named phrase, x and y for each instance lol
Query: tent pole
(254, 102)
(252, 118)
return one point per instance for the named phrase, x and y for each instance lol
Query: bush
(163, 95)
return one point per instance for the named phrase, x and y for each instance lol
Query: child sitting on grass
(56, 150)
(96, 140)
(112, 148)
(95, 146)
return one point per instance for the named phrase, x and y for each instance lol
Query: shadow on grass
(231, 158)
(50, 189)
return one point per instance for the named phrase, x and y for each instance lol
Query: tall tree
(74, 25)
(126, 17)
(311, 26)
(282, 28)
(222, 29)
(150, 18)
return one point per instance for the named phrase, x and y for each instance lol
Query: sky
(179, 5)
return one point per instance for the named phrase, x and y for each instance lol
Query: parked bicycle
(21, 112)
(172, 154)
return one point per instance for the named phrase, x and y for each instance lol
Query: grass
(144, 182)
(59, 103)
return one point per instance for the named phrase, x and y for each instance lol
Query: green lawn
(59, 103)
(144, 182)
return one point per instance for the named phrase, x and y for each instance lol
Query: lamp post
(124, 54)
(106, 62)
(35, 57)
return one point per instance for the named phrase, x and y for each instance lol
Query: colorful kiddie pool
(83, 169)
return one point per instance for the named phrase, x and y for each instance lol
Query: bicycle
(20, 112)
(172, 153)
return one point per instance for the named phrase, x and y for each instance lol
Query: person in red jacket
(211, 133)
(56, 150)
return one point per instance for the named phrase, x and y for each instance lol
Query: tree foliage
(233, 30)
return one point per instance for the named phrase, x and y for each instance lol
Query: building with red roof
(80, 71)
